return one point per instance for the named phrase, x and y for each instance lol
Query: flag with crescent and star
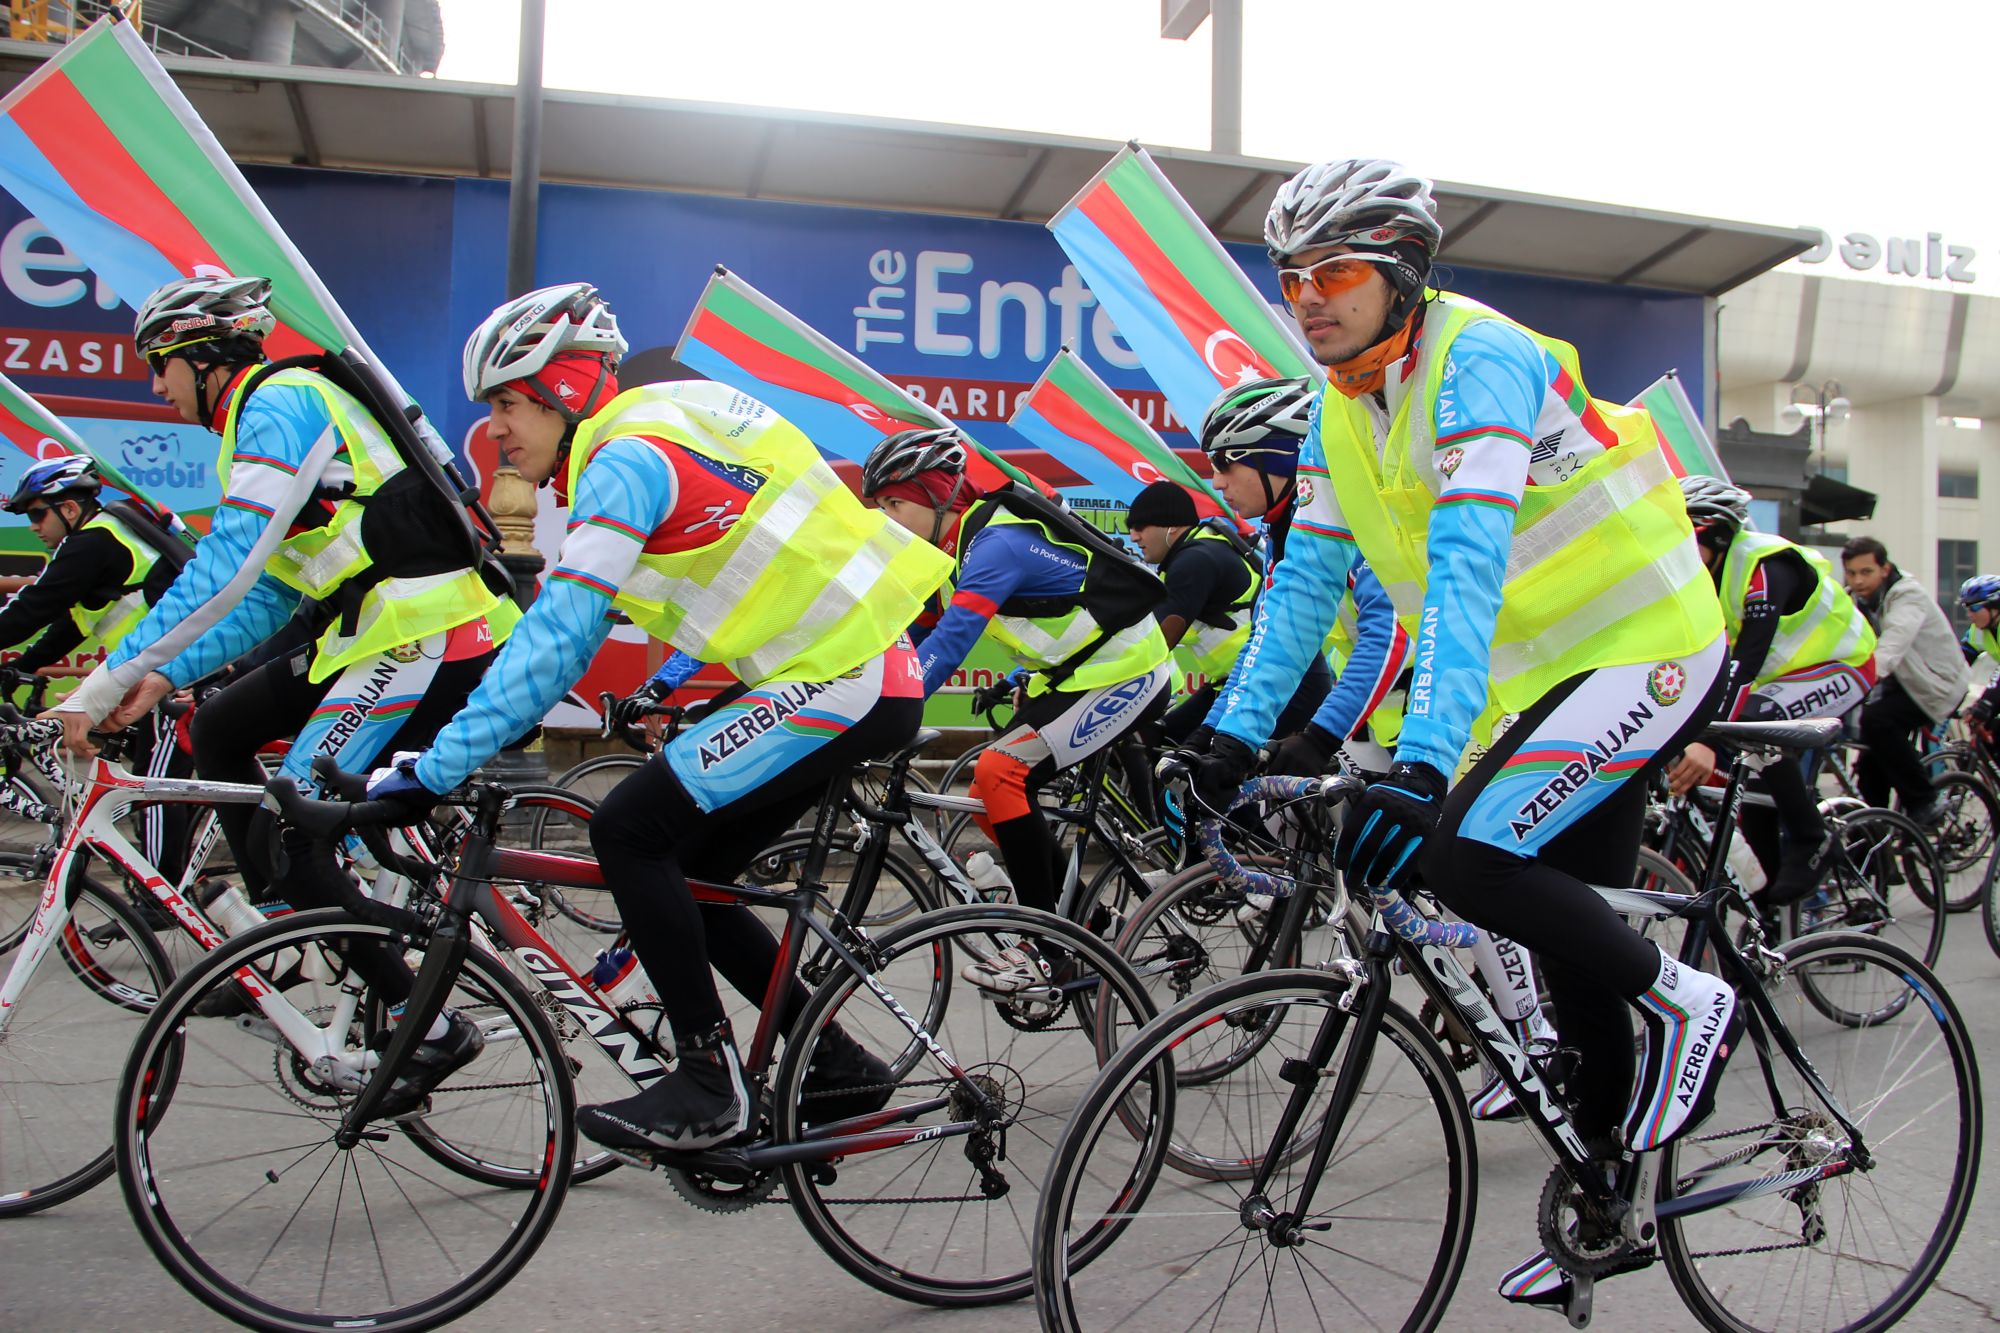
(1179, 300)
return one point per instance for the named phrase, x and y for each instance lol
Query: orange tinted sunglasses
(1329, 277)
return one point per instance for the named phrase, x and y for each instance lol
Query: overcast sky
(1853, 117)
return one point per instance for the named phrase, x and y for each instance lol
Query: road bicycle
(107, 936)
(1826, 1191)
(283, 1211)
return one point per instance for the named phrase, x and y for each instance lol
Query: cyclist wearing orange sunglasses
(1538, 550)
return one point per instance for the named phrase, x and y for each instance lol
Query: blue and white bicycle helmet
(71, 476)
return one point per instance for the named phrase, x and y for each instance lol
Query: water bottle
(620, 980)
(1749, 871)
(232, 910)
(987, 876)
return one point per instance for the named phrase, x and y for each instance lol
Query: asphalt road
(628, 1253)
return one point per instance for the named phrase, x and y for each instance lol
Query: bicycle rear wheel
(1883, 887)
(1965, 835)
(64, 1046)
(1857, 1249)
(1381, 1245)
(242, 1193)
(943, 1218)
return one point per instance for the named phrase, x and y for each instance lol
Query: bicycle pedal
(640, 1160)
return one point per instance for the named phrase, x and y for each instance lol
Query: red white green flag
(101, 146)
(39, 435)
(1070, 405)
(741, 337)
(1689, 450)
(1177, 297)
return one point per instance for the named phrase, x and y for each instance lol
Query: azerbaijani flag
(1689, 450)
(41, 435)
(741, 337)
(101, 146)
(1069, 405)
(1177, 297)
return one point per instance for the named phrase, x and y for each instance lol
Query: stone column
(511, 500)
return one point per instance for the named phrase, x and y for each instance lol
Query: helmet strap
(943, 507)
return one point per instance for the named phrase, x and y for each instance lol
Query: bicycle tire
(1874, 887)
(79, 1013)
(1966, 834)
(20, 880)
(594, 778)
(1407, 1145)
(1912, 1077)
(961, 1248)
(781, 862)
(187, 1178)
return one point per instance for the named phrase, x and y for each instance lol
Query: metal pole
(525, 189)
(1225, 133)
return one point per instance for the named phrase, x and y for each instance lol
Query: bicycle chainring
(1581, 1242)
(712, 1194)
(302, 1084)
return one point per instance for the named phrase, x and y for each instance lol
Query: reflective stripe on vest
(1041, 643)
(1828, 628)
(318, 560)
(107, 624)
(1985, 640)
(806, 584)
(1602, 570)
(1212, 649)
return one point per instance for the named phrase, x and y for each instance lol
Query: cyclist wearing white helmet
(318, 513)
(1980, 596)
(714, 525)
(1070, 605)
(1798, 648)
(1536, 547)
(1251, 435)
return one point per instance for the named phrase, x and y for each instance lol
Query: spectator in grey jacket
(1919, 678)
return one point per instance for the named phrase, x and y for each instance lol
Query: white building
(1916, 355)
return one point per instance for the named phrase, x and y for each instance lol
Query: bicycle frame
(471, 897)
(97, 797)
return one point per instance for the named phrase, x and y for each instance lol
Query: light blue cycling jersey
(629, 490)
(1253, 697)
(223, 604)
(1495, 394)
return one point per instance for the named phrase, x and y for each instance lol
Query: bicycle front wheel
(1965, 835)
(240, 1189)
(934, 1205)
(1381, 1243)
(63, 1046)
(1817, 1229)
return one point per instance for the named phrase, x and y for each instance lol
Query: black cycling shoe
(845, 1079)
(430, 1064)
(1800, 870)
(701, 1104)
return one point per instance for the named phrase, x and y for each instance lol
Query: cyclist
(317, 505)
(1435, 453)
(1251, 435)
(1798, 648)
(713, 524)
(106, 566)
(1919, 681)
(1980, 596)
(1070, 605)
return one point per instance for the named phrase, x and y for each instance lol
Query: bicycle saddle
(1811, 733)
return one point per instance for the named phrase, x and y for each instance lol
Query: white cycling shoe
(1691, 1026)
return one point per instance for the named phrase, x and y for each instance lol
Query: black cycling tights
(273, 702)
(1590, 959)
(649, 835)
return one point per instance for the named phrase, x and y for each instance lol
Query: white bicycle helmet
(213, 321)
(1260, 423)
(1368, 202)
(519, 339)
(1712, 501)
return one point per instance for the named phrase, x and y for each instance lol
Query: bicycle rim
(64, 1047)
(1384, 1238)
(1855, 1251)
(240, 1191)
(921, 1220)
(1965, 836)
(1883, 891)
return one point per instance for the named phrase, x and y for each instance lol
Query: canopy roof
(379, 122)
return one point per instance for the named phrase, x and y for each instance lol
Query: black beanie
(1162, 505)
